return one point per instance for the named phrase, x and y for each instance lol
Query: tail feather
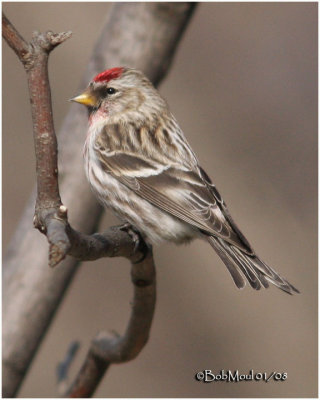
(253, 276)
(249, 265)
(241, 265)
(226, 258)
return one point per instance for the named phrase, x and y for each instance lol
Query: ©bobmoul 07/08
(141, 166)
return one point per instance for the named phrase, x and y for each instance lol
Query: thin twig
(14, 40)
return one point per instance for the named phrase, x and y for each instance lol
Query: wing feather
(186, 192)
(175, 189)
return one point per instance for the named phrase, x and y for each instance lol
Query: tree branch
(51, 219)
(107, 349)
(32, 294)
(14, 40)
(50, 215)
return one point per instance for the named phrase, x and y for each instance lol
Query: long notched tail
(242, 265)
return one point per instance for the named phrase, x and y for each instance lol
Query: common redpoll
(140, 165)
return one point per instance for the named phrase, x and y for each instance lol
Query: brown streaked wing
(180, 192)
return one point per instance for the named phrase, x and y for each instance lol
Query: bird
(140, 165)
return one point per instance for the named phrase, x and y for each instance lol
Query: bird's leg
(139, 243)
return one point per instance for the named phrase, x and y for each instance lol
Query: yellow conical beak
(86, 99)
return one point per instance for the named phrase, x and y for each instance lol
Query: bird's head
(120, 90)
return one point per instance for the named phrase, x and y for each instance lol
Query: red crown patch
(109, 74)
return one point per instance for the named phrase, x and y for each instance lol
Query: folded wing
(174, 189)
(190, 196)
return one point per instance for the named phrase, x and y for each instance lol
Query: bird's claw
(133, 233)
(139, 244)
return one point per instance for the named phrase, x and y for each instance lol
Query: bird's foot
(139, 244)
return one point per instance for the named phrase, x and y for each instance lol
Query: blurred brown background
(244, 88)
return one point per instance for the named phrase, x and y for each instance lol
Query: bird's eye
(111, 90)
